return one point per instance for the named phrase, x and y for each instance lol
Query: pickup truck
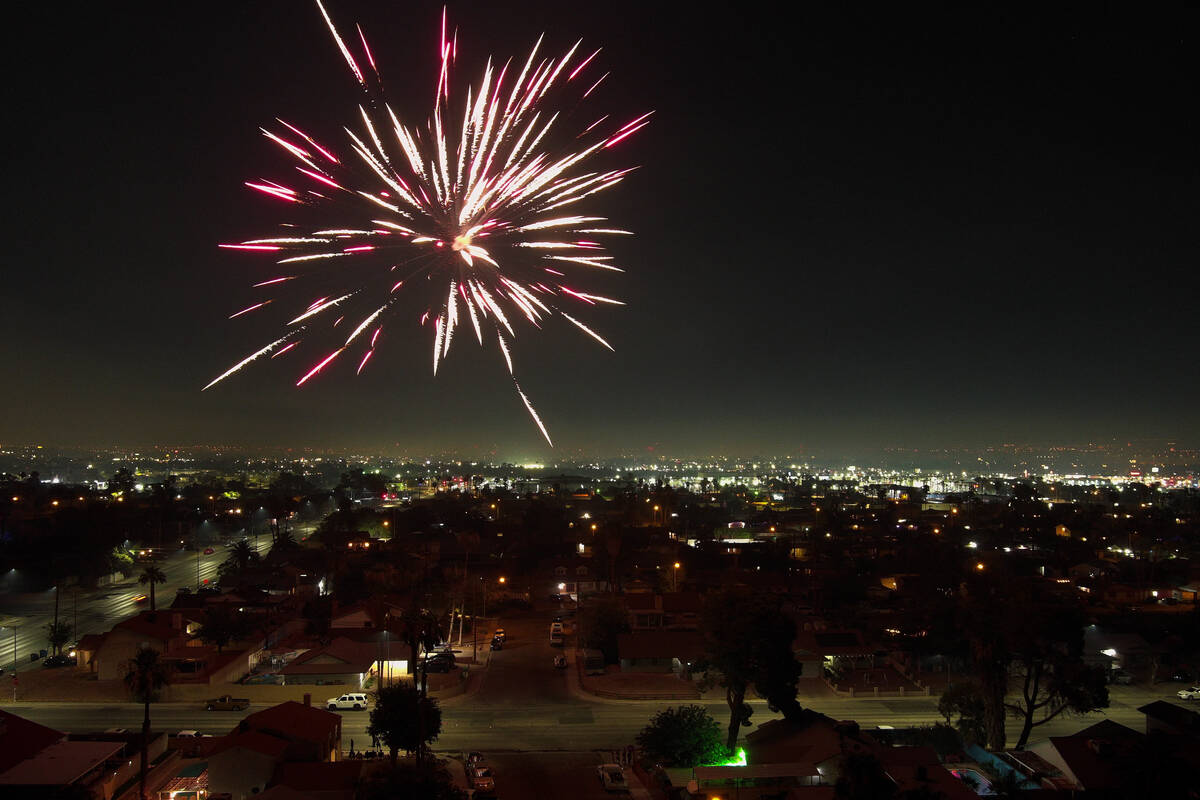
(228, 703)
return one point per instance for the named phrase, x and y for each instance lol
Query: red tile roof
(1095, 754)
(348, 657)
(257, 741)
(151, 624)
(21, 739)
(296, 721)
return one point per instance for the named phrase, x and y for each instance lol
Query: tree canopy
(600, 622)
(748, 642)
(685, 736)
(404, 719)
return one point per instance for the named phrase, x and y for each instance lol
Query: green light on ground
(737, 760)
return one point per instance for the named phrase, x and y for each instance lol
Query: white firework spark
(470, 201)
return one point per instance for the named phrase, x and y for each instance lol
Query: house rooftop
(60, 763)
(21, 738)
(342, 655)
(257, 741)
(1183, 720)
(296, 721)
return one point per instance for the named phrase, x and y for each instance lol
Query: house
(810, 752)
(1095, 758)
(156, 630)
(659, 651)
(39, 761)
(343, 662)
(917, 770)
(1112, 650)
(667, 611)
(1168, 718)
(21, 739)
(817, 649)
(85, 650)
(576, 577)
(242, 764)
(313, 734)
(334, 780)
(820, 742)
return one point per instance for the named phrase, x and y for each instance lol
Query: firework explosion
(475, 205)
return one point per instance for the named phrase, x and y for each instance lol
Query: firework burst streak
(475, 203)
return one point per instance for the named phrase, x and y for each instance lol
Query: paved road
(97, 610)
(524, 706)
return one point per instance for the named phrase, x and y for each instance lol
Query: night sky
(854, 230)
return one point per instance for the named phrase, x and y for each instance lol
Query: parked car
(208, 551)
(612, 778)
(354, 700)
(188, 735)
(439, 662)
(1120, 677)
(140, 598)
(499, 634)
(59, 660)
(1181, 675)
(1192, 693)
(481, 779)
(227, 703)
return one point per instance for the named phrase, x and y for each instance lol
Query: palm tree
(144, 677)
(152, 575)
(242, 554)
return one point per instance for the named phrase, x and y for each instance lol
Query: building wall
(339, 683)
(118, 648)
(239, 772)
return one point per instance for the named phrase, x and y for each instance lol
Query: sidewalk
(618, 688)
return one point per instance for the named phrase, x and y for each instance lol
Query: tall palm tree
(152, 575)
(145, 676)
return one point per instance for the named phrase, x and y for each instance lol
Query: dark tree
(404, 719)
(58, 634)
(1032, 644)
(601, 621)
(748, 642)
(962, 706)
(686, 736)
(152, 575)
(241, 556)
(319, 613)
(222, 626)
(145, 677)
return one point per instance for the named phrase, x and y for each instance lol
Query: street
(524, 706)
(97, 610)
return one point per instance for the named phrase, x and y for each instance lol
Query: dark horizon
(854, 232)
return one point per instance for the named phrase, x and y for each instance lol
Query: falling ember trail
(470, 210)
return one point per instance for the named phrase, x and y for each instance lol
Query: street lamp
(675, 577)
